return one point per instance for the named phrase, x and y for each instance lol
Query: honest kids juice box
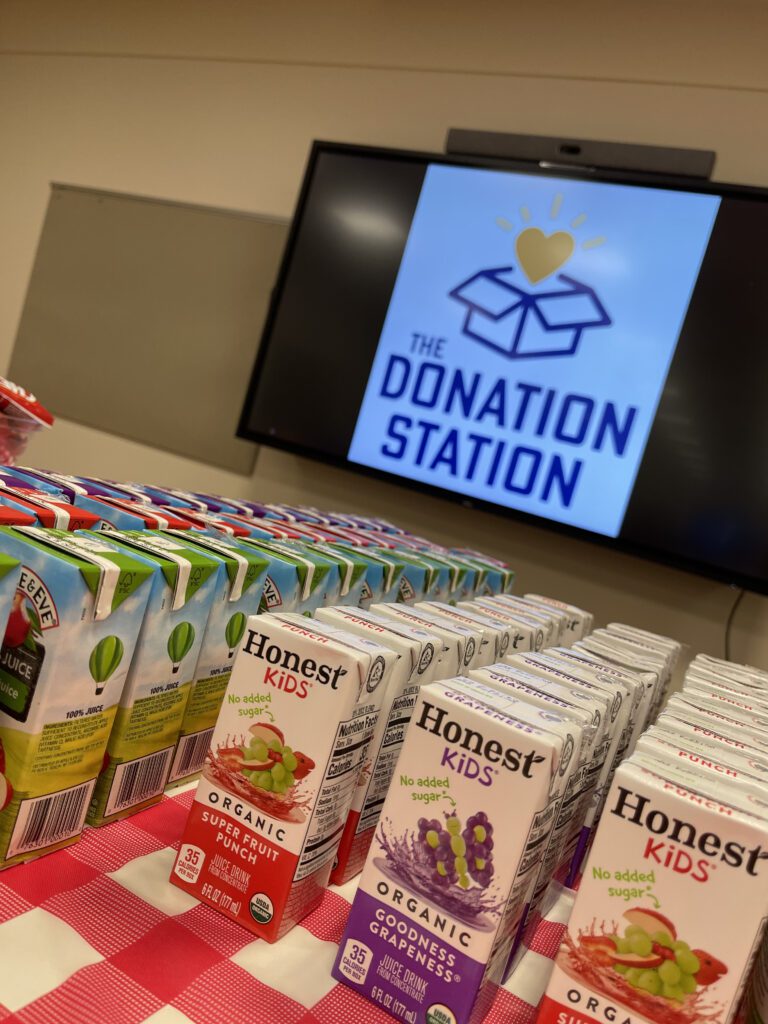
(670, 910)
(529, 634)
(149, 716)
(442, 876)
(580, 623)
(274, 796)
(414, 667)
(68, 646)
(237, 596)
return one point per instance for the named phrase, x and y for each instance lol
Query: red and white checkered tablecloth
(95, 934)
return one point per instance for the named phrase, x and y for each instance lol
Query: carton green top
(184, 567)
(256, 564)
(7, 564)
(301, 558)
(92, 556)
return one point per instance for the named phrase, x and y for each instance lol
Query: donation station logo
(522, 324)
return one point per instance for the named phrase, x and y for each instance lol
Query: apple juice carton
(670, 910)
(274, 796)
(495, 577)
(428, 913)
(419, 580)
(496, 636)
(236, 591)
(68, 646)
(383, 574)
(151, 709)
(291, 583)
(580, 623)
(529, 632)
(451, 657)
(352, 569)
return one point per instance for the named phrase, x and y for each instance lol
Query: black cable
(729, 623)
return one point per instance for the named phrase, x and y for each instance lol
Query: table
(95, 934)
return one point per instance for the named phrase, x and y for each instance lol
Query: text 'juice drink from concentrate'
(271, 806)
(671, 907)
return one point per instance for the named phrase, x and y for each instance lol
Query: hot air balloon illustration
(104, 659)
(234, 631)
(180, 643)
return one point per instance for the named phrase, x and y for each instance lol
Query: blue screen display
(528, 339)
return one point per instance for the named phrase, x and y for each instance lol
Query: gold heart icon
(541, 255)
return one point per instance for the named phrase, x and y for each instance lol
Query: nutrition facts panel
(329, 816)
(386, 757)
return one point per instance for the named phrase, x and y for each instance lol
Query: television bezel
(647, 552)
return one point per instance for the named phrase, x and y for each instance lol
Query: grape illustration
(459, 856)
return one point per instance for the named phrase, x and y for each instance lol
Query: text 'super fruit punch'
(69, 643)
(672, 903)
(271, 806)
(446, 878)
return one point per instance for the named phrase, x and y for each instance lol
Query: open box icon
(522, 324)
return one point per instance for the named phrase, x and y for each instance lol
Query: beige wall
(218, 102)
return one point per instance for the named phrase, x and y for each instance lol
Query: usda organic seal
(261, 908)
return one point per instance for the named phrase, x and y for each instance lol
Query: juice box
(671, 908)
(648, 672)
(388, 667)
(495, 577)
(546, 840)
(273, 799)
(643, 657)
(497, 637)
(580, 623)
(476, 647)
(434, 893)
(384, 572)
(553, 622)
(126, 514)
(49, 509)
(419, 581)
(237, 596)
(68, 646)
(292, 583)
(143, 739)
(529, 632)
(452, 655)
(419, 647)
(414, 668)
(319, 578)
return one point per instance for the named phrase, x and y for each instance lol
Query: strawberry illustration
(711, 969)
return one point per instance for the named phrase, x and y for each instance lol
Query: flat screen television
(586, 351)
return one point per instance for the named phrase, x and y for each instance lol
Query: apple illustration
(651, 921)
(635, 960)
(267, 733)
(19, 623)
(601, 948)
(711, 969)
(305, 765)
(6, 792)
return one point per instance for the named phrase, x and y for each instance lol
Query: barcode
(46, 820)
(190, 754)
(138, 780)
